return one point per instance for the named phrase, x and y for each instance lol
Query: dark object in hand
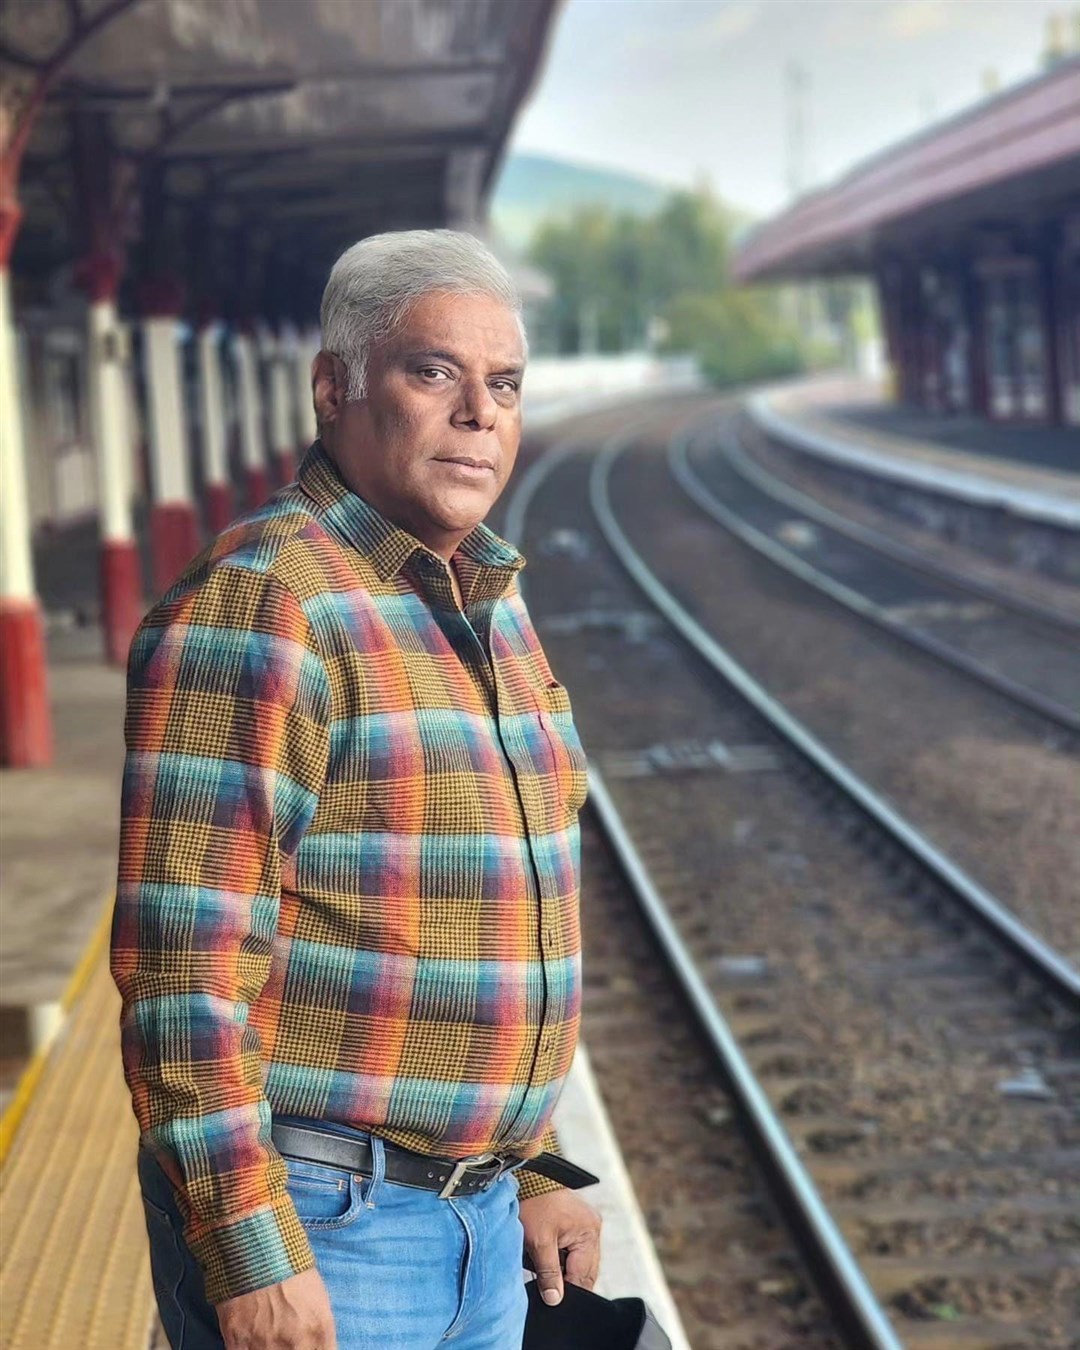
(585, 1321)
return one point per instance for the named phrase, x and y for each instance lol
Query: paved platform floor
(75, 1267)
(1032, 470)
(58, 827)
(1055, 448)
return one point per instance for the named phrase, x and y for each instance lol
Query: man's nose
(476, 408)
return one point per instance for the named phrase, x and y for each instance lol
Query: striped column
(25, 723)
(252, 442)
(133, 460)
(279, 350)
(121, 572)
(220, 508)
(174, 526)
(306, 349)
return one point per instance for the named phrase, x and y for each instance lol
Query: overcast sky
(674, 89)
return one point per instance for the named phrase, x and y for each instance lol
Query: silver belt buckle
(460, 1168)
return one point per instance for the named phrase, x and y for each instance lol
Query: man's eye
(504, 386)
(433, 371)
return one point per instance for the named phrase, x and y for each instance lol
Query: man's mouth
(467, 462)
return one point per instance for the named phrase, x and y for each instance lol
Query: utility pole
(797, 96)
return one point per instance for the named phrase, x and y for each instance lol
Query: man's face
(432, 443)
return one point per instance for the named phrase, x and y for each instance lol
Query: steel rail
(843, 1283)
(849, 1295)
(1053, 971)
(854, 600)
(747, 467)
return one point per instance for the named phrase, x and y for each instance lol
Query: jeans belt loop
(378, 1169)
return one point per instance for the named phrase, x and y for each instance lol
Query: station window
(946, 364)
(1016, 365)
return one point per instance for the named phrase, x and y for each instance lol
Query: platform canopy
(306, 122)
(1011, 161)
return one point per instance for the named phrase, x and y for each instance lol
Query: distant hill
(533, 187)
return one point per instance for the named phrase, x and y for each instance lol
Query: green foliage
(626, 281)
(737, 336)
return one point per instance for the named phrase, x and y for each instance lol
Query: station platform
(1031, 472)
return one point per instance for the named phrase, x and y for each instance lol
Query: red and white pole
(279, 352)
(220, 508)
(174, 525)
(25, 723)
(252, 441)
(121, 572)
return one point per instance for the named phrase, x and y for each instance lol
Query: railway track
(992, 782)
(1026, 652)
(912, 1090)
(744, 460)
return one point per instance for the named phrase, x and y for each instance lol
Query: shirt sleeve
(532, 1183)
(227, 743)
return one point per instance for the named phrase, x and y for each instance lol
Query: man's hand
(292, 1315)
(561, 1220)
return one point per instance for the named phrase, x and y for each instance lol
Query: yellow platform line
(74, 1269)
(31, 1075)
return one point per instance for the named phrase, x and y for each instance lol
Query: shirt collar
(488, 561)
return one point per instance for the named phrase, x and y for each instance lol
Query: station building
(971, 232)
(176, 178)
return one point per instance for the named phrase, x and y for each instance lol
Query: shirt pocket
(571, 764)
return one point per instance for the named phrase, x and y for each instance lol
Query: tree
(737, 336)
(616, 274)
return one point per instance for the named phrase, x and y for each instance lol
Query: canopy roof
(1014, 158)
(311, 122)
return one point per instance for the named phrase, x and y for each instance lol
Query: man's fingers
(583, 1260)
(545, 1259)
(560, 1220)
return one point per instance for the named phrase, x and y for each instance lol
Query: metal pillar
(121, 572)
(220, 508)
(278, 350)
(252, 442)
(1050, 292)
(973, 314)
(98, 183)
(174, 527)
(25, 724)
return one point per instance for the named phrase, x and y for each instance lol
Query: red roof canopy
(1013, 156)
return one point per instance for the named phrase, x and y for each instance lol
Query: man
(346, 931)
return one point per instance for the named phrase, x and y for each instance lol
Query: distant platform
(1056, 448)
(1029, 471)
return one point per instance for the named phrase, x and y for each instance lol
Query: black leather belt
(451, 1177)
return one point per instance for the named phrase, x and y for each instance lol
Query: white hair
(375, 282)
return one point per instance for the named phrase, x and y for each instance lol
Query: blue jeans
(404, 1269)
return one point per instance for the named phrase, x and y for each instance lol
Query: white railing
(558, 384)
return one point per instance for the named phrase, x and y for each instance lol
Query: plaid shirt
(348, 883)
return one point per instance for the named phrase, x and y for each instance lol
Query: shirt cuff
(252, 1252)
(532, 1183)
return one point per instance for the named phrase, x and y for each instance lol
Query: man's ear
(329, 387)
